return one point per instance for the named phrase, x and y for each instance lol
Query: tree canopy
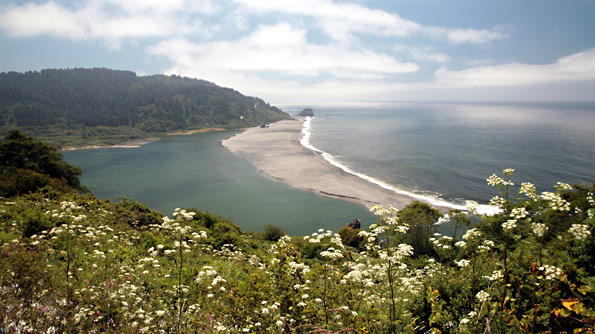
(27, 165)
(89, 99)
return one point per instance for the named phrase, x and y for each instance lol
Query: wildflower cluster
(78, 264)
(580, 231)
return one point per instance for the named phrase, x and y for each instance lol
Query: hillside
(103, 106)
(72, 263)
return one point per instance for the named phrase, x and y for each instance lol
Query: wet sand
(276, 151)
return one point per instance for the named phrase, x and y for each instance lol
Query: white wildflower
(496, 275)
(472, 206)
(528, 189)
(539, 229)
(463, 263)
(556, 202)
(331, 253)
(509, 224)
(460, 244)
(551, 272)
(482, 296)
(508, 171)
(561, 186)
(579, 231)
(519, 213)
(471, 234)
(494, 180)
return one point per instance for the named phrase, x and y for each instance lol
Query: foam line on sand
(276, 151)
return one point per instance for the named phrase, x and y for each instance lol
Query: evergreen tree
(27, 165)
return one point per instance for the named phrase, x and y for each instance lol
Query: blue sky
(321, 52)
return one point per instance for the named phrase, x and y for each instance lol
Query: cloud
(143, 6)
(424, 53)
(341, 20)
(108, 20)
(115, 21)
(576, 67)
(327, 51)
(459, 36)
(33, 20)
(282, 50)
(571, 77)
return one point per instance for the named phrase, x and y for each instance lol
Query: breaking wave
(433, 200)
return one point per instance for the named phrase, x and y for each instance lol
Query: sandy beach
(130, 144)
(191, 132)
(276, 151)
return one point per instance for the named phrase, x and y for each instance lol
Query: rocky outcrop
(306, 112)
(355, 224)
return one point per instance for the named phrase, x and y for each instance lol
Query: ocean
(445, 152)
(435, 152)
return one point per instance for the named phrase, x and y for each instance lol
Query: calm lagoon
(196, 171)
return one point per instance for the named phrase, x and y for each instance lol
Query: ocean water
(196, 171)
(445, 152)
(438, 153)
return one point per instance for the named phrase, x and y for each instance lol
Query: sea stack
(306, 112)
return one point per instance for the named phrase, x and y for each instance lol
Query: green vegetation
(71, 263)
(27, 165)
(273, 233)
(81, 107)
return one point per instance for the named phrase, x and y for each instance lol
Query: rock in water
(306, 112)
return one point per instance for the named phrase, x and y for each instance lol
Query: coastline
(129, 144)
(139, 142)
(277, 152)
(191, 132)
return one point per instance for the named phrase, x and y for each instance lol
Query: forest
(72, 263)
(103, 106)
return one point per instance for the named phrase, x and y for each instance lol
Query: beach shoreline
(191, 132)
(129, 144)
(277, 152)
(136, 143)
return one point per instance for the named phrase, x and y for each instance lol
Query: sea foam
(305, 141)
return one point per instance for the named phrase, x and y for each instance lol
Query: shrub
(272, 233)
(351, 237)
(27, 165)
(136, 214)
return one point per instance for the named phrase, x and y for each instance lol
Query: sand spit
(191, 132)
(276, 151)
(129, 144)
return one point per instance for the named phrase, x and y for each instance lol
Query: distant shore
(129, 144)
(191, 132)
(276, 151)
(139, 142)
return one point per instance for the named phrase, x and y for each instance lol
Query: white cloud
(571, 77)
(219, 41)
(108, 20)
(424, 54)
(281, 49)
(459, 36)
(341, 20)
(115, 21)
(142, 6)
(577, 67)
(32, 20)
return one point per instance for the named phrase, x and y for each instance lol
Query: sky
(321, 52)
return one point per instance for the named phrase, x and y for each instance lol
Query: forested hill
(83, 106)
